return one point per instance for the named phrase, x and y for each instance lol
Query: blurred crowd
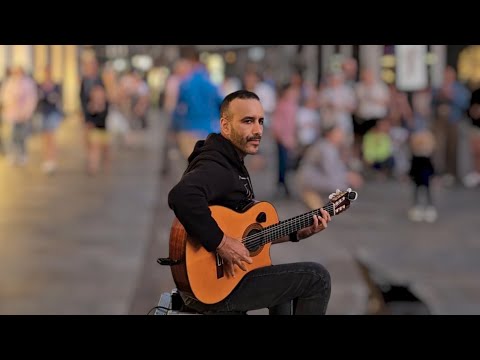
(349, 128)
(114, 107)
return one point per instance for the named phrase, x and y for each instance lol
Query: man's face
(244, 127)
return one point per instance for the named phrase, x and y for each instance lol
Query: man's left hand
(319, 223)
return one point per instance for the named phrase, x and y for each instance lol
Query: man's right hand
(233, 252)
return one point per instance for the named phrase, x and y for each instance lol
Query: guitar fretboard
(284, 228)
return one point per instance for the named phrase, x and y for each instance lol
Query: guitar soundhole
(255, 241)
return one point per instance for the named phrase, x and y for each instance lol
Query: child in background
(421, 171)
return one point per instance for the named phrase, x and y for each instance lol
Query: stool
(172, 304)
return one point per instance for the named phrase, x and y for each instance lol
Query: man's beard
(241, 142)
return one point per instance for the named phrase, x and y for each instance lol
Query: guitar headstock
(342, 199)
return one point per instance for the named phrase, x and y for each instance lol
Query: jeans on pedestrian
(306, 283)
(17, 140)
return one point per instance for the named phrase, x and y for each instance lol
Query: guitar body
(201, 272)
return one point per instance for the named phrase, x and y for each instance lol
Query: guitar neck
(286, 227)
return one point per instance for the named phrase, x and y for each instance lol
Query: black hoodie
(216, 175)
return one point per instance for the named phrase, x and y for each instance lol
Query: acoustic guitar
(201, 273)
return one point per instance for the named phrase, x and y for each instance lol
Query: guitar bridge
(219, 266)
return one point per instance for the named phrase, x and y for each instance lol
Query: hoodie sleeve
(189, 200)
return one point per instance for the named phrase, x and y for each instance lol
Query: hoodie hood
(209, 149)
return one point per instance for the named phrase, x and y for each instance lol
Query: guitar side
(200, 272)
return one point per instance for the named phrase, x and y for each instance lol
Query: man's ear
(225, 126)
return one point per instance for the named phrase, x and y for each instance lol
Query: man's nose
(257, 128)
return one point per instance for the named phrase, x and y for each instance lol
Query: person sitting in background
(322, 169)
(377, 148)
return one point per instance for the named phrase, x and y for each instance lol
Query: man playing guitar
(216, 175)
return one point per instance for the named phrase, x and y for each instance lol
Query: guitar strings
(277, 229)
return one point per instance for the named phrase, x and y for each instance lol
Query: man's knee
(321, 274)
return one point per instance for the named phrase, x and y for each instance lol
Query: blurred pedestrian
(90, 78)
(19, 101)
(284, 131)
(450, 102)
(198, 105)
(99, 138)
(472, 179)
(50, 109)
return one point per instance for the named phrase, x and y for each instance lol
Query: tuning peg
(330, 197)
(349, 190)
(338, 191)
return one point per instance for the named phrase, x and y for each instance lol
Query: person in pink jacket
(19, 100)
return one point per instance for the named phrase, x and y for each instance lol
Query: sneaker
(416, 214)
(430, 214)
(471, 180)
